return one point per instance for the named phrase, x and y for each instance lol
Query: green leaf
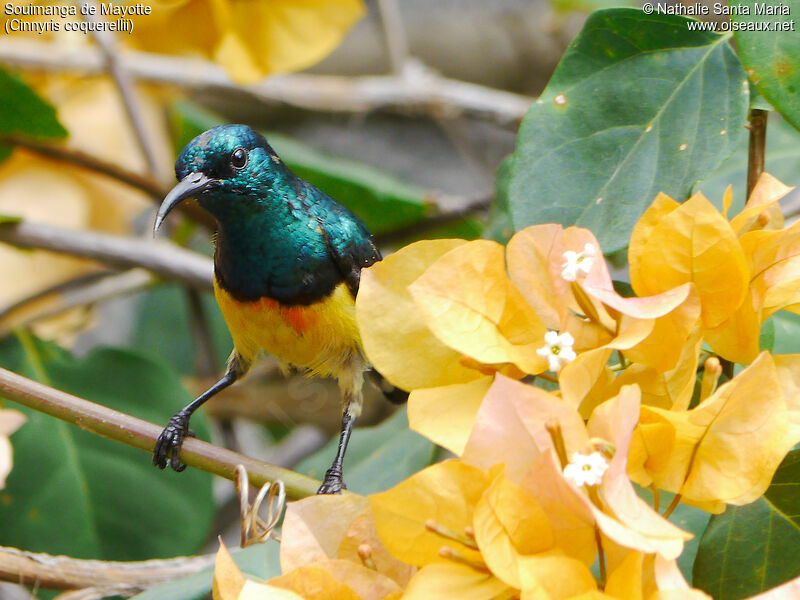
(638, 105)
(771, 56)
(377, 457)
(9, 218)
(766, 340)
(23, 112)
(686, 517)
(782, 161)
(753, 548)
(787, 332)
(73, 492)
(500, 227)
(258, 562)
(384, 202)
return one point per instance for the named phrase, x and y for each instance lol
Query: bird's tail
(393, 394)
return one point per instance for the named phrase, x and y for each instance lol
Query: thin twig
(141, 434)
(429, 95)
(161, 257)
(88, 289)
(205, 358)
(124, 82)
(394, 34)
(756, 154)
(64, 572)
(63, 153)
(71, 156)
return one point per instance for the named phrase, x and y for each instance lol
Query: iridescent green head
(227, 169)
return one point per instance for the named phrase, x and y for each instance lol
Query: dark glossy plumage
(279, 236)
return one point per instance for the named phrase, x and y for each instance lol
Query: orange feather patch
(299, 318)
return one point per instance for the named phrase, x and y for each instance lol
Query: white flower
(586, 469)
(557, 350)
(578, 263)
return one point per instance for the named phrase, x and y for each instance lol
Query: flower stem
(672, 506)
(601, 557)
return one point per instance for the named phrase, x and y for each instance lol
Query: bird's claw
(333, 482)
(168, 445)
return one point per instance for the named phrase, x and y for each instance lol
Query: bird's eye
(239, 158)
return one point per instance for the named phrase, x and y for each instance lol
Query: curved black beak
(188, 187)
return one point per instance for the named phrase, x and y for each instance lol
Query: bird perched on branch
(287, 265)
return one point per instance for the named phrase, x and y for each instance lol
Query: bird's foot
(168, 445)
(333, 482)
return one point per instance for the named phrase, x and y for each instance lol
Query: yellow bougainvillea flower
(470, 304)
(725, 450)
(394, 332)
(323, 558)
(10, 421)
(651, 330)
(475, 535)
(249, 39)
(742, 270)
(649, 577)
(347, 546)
(438, 318)
(513, 428)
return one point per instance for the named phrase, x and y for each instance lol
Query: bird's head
(227, 169)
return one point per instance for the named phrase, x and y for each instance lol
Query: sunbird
(287, 265)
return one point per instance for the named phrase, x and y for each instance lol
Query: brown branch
(756, 155)
(161, 257)
(63, 153)
(72, 156)
(64, 572)
(141, 434)
(424, 93)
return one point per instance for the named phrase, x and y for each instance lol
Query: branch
(164, 258)
(141, 434)
(757, 147)
(71, 156)
(64, 572)
(63, 153)
(125, 85)
(88, 288)
(424, 93)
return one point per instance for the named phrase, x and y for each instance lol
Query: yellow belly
(321, 337)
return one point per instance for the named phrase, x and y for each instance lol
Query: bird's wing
(350, 246)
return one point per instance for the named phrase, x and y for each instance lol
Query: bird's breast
(320, 337)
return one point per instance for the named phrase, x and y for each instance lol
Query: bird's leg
(168, 445)
(334, 482)
(351, 380)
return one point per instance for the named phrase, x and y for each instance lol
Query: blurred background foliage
(407, 112)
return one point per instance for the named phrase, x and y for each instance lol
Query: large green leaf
(771, 56)
(377, 457)
(752, 548)
(638, 104)
(73, 492)
(23, 112)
